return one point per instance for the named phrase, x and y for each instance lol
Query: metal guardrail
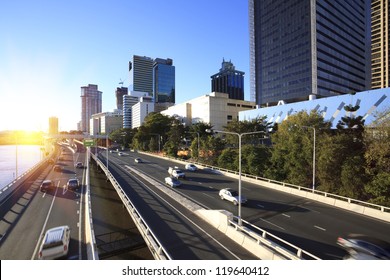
(156, 248)
(381, 208)
(274, 242)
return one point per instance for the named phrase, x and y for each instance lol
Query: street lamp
(314, 154)
(239, 162)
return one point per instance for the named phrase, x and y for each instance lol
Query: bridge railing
(155, 247)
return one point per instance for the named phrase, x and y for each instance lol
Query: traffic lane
(184, 237)
(66, 206)
(291, 209)
(26, 219)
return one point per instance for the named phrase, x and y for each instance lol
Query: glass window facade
(164, 81)
(304, 47)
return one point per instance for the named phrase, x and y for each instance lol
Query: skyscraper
(380, 43)
(91, 103)
(142, 74)
(53, 125)
(119, 93)
(164, 81)
(228, 80)
(303, 48)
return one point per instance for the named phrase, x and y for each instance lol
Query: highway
(183, 234)
(311, 225)
(26, 221)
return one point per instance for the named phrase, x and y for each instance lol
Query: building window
(229, 117)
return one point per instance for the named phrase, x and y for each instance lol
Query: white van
(55, 243)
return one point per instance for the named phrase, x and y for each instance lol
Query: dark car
(359, 246)
(73, 184)
(47, 185)
(57, 168)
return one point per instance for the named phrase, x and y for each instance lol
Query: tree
(292, 152)
(228, 159)
(175, 135)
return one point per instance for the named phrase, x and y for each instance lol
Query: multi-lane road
(26, 221)
(311, 225)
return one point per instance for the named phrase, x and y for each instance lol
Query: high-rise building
(308, 48)
(380, 44)
(228, 80)
(119, 93)
(91, 103)
(53, 125)
(164, 81)
(128, 102)
(156, 77)
(142, 67)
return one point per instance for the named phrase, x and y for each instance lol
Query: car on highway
(121, 154)
(73, 184)
(57, 168)
(47, 185)
(55, 243)
(191, 167)
(176, 172)
(363, 247)
(232, 196)
(79, 165)
(138, 160)
(173, 182)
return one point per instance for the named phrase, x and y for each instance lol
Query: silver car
(231, 195)
(363, 247)
(173, 182)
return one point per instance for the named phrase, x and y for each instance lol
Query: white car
(232, 196)
(191, 167)
(173, 182)
(79, 165)
(177, 173)
(120, 154)
(138, 160)
(55, 243)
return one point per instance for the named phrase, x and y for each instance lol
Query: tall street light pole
(239, 162)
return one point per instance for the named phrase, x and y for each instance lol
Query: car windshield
(234, 193)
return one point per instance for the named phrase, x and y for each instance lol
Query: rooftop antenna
(121, 82)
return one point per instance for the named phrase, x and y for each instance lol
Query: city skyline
(50, 50)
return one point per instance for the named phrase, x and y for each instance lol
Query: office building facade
(119, 93)
(228, 80)
(380, 43)
(308, 48)
(164, 81)
(128, 102)
(91, 103)
(53, 126)
(142, 67)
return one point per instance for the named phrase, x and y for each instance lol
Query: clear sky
(49, 49)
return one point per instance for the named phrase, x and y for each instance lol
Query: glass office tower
(163, 81)
(228, 80)
(303, 48)
(380, 43)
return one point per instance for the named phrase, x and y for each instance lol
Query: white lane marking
(44, 224)
(261, 206)
(207, 195)
(288, 216)
(320, 228)
(272, 224)
(188, 219)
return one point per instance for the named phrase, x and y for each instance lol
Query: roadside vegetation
(351, 160)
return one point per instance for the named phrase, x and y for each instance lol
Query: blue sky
(49, 49)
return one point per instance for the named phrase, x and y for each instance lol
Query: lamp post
(314, 154)
(239, 163)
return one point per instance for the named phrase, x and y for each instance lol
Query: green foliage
(228, 159)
